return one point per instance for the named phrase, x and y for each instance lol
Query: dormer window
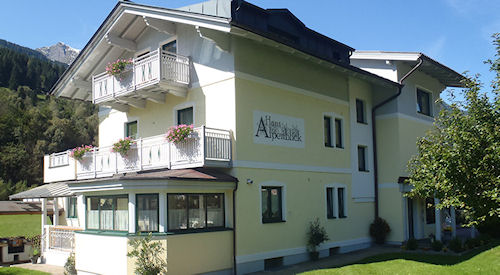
(170, 47)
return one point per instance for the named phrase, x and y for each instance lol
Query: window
(430, 214)
(131, 129)
(328, 131)
(338, 133)
(107, 213)
(335, 202)
(271, 204)
(329, 203)
(185, 116)
(147, 212)
(341, 202)
(360, 111)
(72, 212)
(423, 102)
(170, 47)
(195, 211)
(362, 159)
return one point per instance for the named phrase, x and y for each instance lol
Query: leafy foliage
(118, 67)
(412, 244)
(458, 160)
(379, 229)
(316, 235)
(69, 266)
(456, 245)
(78, 152)
(436, 245)
(148, 255)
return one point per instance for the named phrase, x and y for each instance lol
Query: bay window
(147, 212)
(107, 213)
(195, 211)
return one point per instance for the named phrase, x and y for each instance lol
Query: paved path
(52, 269)
(332, 261)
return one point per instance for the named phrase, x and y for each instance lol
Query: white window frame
(431, 101)
(367, 166)
(131, 119)
(142, 51)
(333, 134)
(365, 116)
(166, 41)
(181, 106)
(335, 199)
(273, 183)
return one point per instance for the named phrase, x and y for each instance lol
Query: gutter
(234, 227)
(374, 133)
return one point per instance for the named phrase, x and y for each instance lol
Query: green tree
(458, 160)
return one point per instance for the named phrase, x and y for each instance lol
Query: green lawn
(20, 271)
(475, 262)
(20, 225)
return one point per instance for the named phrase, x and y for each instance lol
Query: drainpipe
(234, 227)
(374, 133)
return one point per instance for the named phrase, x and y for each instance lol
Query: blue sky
(454, 32)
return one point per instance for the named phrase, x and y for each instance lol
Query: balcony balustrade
(157, 69)
(205, 147)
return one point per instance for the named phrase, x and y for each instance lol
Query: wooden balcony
(206, 147)
(148, 78)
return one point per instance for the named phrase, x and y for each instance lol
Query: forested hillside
(33, 123)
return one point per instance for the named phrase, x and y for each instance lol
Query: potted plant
(122, 146)
(379, 230)
(316, 236)
(178, 134)
(78, 152)
(118, 67)
(35, 254)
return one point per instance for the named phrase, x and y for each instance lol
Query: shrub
(490, 226)
(78, 152)
(179, 133)
(471, 243)
(379, 230)
(69, 266)
(455, 245)
(484, 239)
(412, 244)
(316, 235)
(123, 146)
(148, 254)
(437, 245)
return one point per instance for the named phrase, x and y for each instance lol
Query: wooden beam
(81, 84)
(160, 25)
(125, 44)
(134, 102)
(157, 97)
(117, 106)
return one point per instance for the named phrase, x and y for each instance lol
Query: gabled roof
(448, 77)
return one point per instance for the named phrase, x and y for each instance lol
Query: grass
(20, 271)
(483, 261)
(20, 225)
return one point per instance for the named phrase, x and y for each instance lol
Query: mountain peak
(60, 52)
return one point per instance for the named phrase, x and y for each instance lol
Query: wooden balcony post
(95, 161)
(139, 147)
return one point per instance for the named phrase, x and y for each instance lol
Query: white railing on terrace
(58, 159)
(204, 147)
(145, 70)
(59, 237)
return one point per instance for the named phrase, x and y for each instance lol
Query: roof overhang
(127, 21)
(431, 67)
(51, 190)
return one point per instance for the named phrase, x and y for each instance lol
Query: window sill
(276, 221)
(329, 146)
(362, 122)
(364, 171)
(196, 231)
(343, 217)
(424, 114)
(332, 218)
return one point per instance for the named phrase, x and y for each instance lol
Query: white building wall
(103, 255)
(361, 134)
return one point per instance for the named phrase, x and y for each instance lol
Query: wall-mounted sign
(279, 130)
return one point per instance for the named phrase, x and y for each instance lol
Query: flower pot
(34, 259)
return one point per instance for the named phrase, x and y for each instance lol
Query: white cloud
(435, 48)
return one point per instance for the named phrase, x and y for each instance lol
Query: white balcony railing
(59, 237)
(149, 69)
(205, 147)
